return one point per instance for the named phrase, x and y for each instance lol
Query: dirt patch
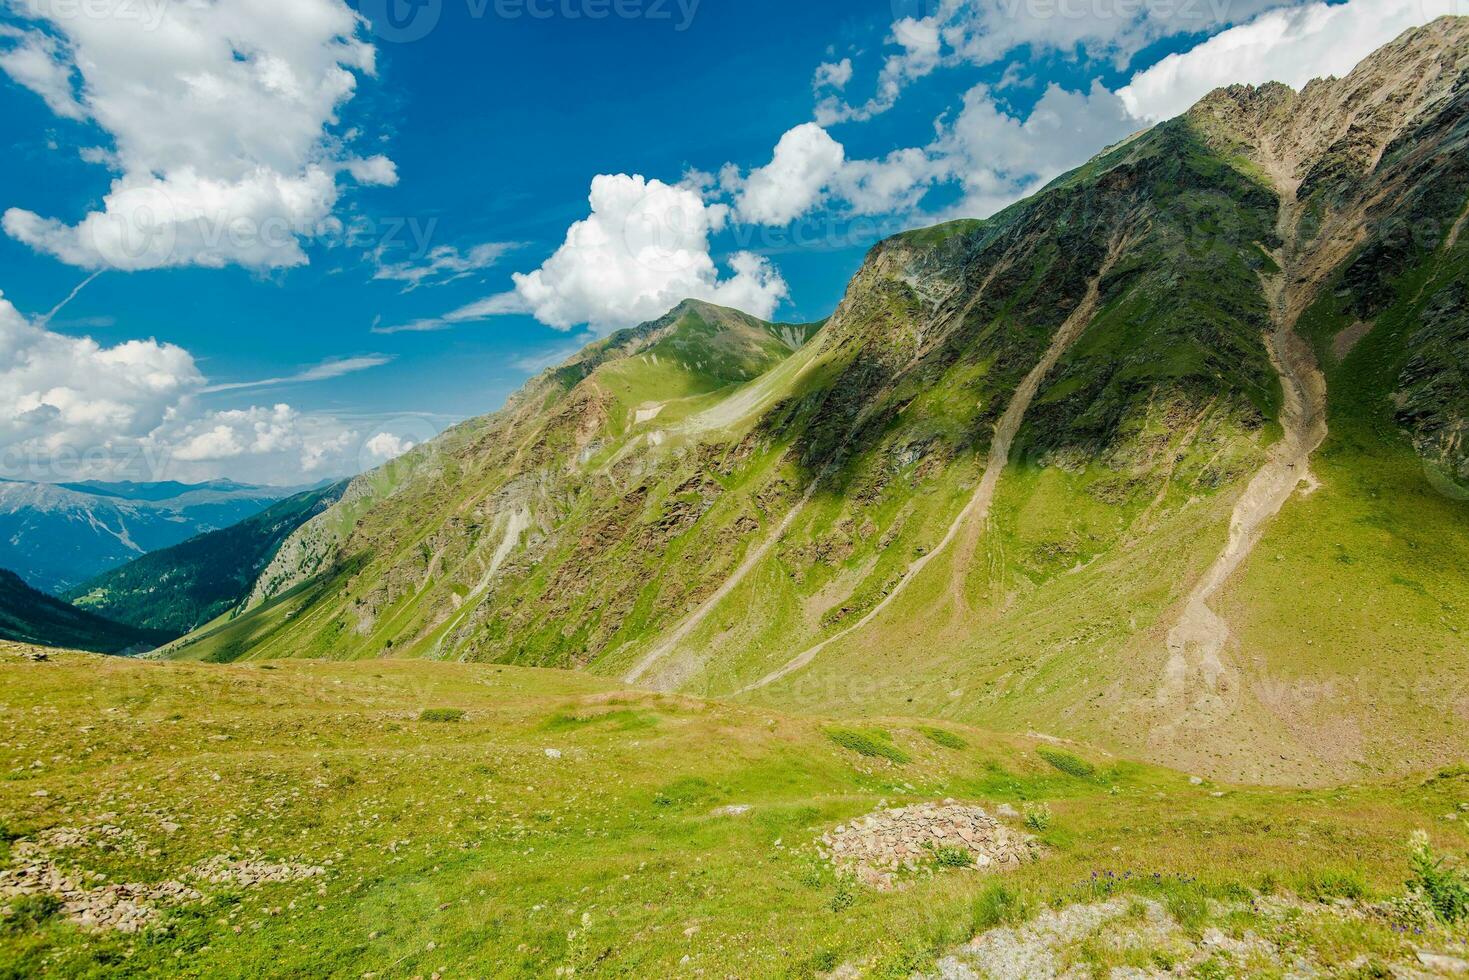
(879, 848)
(1348, 339)
(1200, 687)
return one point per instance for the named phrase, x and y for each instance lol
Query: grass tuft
(1068, 763)
(872, 744)
(944, 738)
(441, 715)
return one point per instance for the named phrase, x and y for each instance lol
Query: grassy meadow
(483, 821)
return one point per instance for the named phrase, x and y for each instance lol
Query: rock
(1195, 781)
(872, 848)
(1441, 963)
(736, 810)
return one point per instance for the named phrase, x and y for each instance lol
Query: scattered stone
(125, 908)
(877, 848)
(222, 870)
(737, 810)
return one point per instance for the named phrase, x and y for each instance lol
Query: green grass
(941, 736)
(1068, 763)
(468, 848)
(872, 744)
(441, 715)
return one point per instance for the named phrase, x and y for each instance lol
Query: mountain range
(1169, 457)
(56, 536)
(178, 589)
(28, 616)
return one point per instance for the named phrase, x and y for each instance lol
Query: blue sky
(421, 154)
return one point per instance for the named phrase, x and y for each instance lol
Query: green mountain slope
(29, 616)
(180, 588)
(1167, 456)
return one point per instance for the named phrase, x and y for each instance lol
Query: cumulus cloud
(385, 446)
(1292, 45)
(72, 408)
(221, 117)
(805, 162)
(643, 248)
(994, 156)
(36, 61)
(1000, 158)
(63, 394)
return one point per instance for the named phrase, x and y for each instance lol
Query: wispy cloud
(325, 371)
(441, 265)
(501, 304)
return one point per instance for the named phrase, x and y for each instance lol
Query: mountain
(57, 536)
(28, 616)
(1168, 457)
(181, 588)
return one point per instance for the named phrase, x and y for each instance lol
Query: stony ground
(880, 847)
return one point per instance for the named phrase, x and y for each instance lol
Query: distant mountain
(178, 589)
(28, 616)
(56, 536)
(156, 492)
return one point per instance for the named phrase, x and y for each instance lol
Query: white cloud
(995, 157)
(833, 75)
(71, 408)
(642, 250)
(276, 439)
(327, 370)
(63, 395)
(982, 32)
(501, 304)
(385, 446)
(805, 162)
(1291, 46)
(1000, 158)
(443, 264)
(221, 116)
(36, 61)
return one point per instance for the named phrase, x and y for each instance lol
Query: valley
(1084, 597)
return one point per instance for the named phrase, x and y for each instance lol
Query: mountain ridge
(1103, 398)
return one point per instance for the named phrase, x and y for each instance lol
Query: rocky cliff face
(1102, 464)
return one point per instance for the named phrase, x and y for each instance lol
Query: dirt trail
(976, 513)
(1458, 229)
(1198, 683)
(515, 526)
(693, 621)
(727, 413)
